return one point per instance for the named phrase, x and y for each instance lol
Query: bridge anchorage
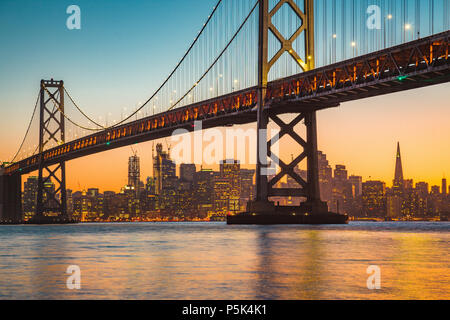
(262, 210)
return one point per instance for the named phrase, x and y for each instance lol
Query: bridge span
(410, 65)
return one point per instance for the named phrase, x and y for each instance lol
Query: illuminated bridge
(279, 57)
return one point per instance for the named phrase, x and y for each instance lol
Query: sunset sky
(123, 52)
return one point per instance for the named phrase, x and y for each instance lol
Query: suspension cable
(56, 104)
(218, 57)
(81, 111)
(28, 129)
(167, 79)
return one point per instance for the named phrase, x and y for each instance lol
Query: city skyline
(389, 182)
(357, 133)
(208, 195)
(237, 151)
(119, 179)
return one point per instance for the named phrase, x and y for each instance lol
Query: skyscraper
(444, 186)
(325, 178)
(203, 188)
(398, 176)
(356, 182)
(340, 173)
(247, 186)
(187, 172)
(230, 170)
(166, 181)
(30, 189)
(134, 173)
(164, 170)
(374, 201)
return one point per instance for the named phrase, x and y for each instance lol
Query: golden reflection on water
(215, 261)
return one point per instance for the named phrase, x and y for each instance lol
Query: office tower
(410, 199)
(247, 186)
(393, 206)
(408, 184)
(108, 203)
(444, 186)
(187, 172)
(374, 198)
(422, 189)
(435, 190)
(222, 195)
(422, 197)
(203, 189)
(164, 170)
(340, 173)
(342, 191)
(150, 185)
(134, 173)
(356, 182)
(398, 183)
(93, 192)
(30, 189)
(49, 190)
(230, 170)
(325, 177)
(69, 202)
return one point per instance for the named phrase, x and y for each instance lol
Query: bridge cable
(56, 104)
(81, 111)
(28, 129)
(218, 57)
(165, 81)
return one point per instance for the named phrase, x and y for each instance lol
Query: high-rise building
(69, 202)
(444, 186)
(187, 172)
(93, 192)
(164, 170)
(398, 183)
(150, 186)
(342, 191)
(393, 206)
(340, 173)
(247, 186)
(356, 182)
(30, 189)
(230, 170)
(410, 199)
(374, 198)
(435, 190)
(325, 178)
(422, 198)
(222, 195)
(134, 174)
(203, 189)
(49, 190)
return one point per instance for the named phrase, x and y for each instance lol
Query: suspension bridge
(251, 61)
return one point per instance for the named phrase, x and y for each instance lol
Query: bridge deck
(412, 65)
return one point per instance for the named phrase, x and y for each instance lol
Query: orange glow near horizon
(361, 134)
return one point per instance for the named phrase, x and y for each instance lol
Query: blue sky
(122, 52)
(126, 48)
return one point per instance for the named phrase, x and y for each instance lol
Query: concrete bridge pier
(10, 198)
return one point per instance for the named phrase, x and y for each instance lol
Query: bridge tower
(309, 188)
(52, 178)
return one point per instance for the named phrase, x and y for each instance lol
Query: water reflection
(215, 261)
